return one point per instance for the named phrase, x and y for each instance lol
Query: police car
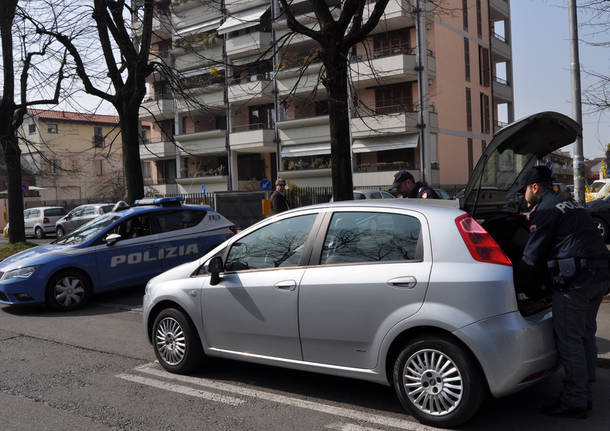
(118, 249)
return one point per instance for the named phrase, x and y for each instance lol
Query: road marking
(182, 389)
(154, 369)
(349, 427)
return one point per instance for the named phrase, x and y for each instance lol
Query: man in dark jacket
(278, 197)
(405, 186)
(564, 242)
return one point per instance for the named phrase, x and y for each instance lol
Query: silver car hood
(532, 137)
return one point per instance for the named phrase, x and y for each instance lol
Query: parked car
(415, 294)
(79, 216)
(40, 221)
(442, 193)
(371, 194)
(600, 211)
(599, 189)
(115, 250)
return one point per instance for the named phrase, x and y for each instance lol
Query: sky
(541, 66)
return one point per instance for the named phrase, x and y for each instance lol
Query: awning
(241, 20)
(385, 143)
(200, 28)
(305, 150)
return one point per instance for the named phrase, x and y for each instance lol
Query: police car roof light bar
(167, 201)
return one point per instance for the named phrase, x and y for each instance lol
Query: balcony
(304, 131)
(499, 10)
(297, 81)
(202, 143)
(388, 66)
(161, 27)
(248, 44)
(157, 150)
(389, 122)
(202, 99)
(500, 125)
(255, 90)
(252, 138)
(234, 6)
(161, 109)
(397, 15)
(500, 49)
(197, 55)
(502, 91)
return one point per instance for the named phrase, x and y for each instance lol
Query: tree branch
(298, 27)
(358, 34)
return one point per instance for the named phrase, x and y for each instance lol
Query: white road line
(182, 389)
(349, 427)
(154, 369)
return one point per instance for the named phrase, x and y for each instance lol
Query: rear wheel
(602, 227)
(60, 232)
(438, 382)
(68, 290)
(176, 342)
(38, 232)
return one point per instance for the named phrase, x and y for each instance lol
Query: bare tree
(597, 33)
(11, 112)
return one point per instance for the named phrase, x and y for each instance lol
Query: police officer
(564, 241)
(279, 203)
(405, 186)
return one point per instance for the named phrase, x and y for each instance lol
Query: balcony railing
(389, 52)
(254, 126)
(264, 76)
(384, 166)
(500, 80)
(500, 37)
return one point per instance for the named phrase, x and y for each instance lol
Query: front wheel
(68, 290)
(39, 233)
(176, 343)
(60, 231)
(438, 382)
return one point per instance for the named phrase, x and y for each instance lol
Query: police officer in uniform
(564, 241)
(405, 186)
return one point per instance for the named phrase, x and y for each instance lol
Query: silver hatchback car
(416, 294)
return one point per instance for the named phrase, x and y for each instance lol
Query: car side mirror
(215, 267)
(112, 239)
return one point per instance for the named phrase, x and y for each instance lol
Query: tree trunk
(129, 121)
(15, 194)
(336, 84)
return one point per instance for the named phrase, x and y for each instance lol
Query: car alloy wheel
(60, 232)
(68, 290)
(176, 342)
(433, 382)
(39, 233)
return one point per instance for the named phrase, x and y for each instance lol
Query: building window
(468, 110)
(98, 137)
(467, 58)
(484, 113)
(260, 117)
(146, 170)
(55, 166)
(391, 99)
(52, 128)
(392, 43)
(484, 69)
(32, 128)
(470, 156)
(98, 167)
(465, 14)
(479, 20)
(321, 107)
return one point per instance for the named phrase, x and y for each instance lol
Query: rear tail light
(46, 220)
(233, 229)
(481, 245)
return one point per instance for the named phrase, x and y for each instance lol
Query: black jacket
(421, 190)
(278, 202)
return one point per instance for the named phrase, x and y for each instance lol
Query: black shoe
(556, 409)
(589, 405)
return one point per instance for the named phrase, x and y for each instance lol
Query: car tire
(68, 290)
(60, 232)
(38, 232)
(176, 342)
(438, 381)
(602, 227)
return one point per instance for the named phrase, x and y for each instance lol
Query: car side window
(278, 244)
(354, 237)
(77, 212)
(134, 227)
(35, 213)
(89, 211)
(174, 220)
(26, 214)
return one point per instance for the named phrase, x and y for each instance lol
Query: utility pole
(579, 163)
(422, 84)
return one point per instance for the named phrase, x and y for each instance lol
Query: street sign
(24, 188)
(203, 189)
(265, 184)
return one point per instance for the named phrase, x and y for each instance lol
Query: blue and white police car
(118, 249)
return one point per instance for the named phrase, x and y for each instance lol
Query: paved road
(93, 369)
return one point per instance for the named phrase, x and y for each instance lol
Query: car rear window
(355, 237)
(174, 220)
(107, 208)
(52, 212)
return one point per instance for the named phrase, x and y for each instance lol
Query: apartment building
(73, 155)
(251, 112)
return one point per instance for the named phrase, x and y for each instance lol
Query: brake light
(480, 243)
(233, 229)
(46, 220)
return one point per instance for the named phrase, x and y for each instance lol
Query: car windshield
(89, 230)
(597, 186)
(502, 169)
(107, 208)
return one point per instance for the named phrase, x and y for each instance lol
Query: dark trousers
(574, 314)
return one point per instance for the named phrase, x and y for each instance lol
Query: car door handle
(286, 285)
(403, 282)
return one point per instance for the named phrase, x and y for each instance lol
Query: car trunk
(492, 194)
